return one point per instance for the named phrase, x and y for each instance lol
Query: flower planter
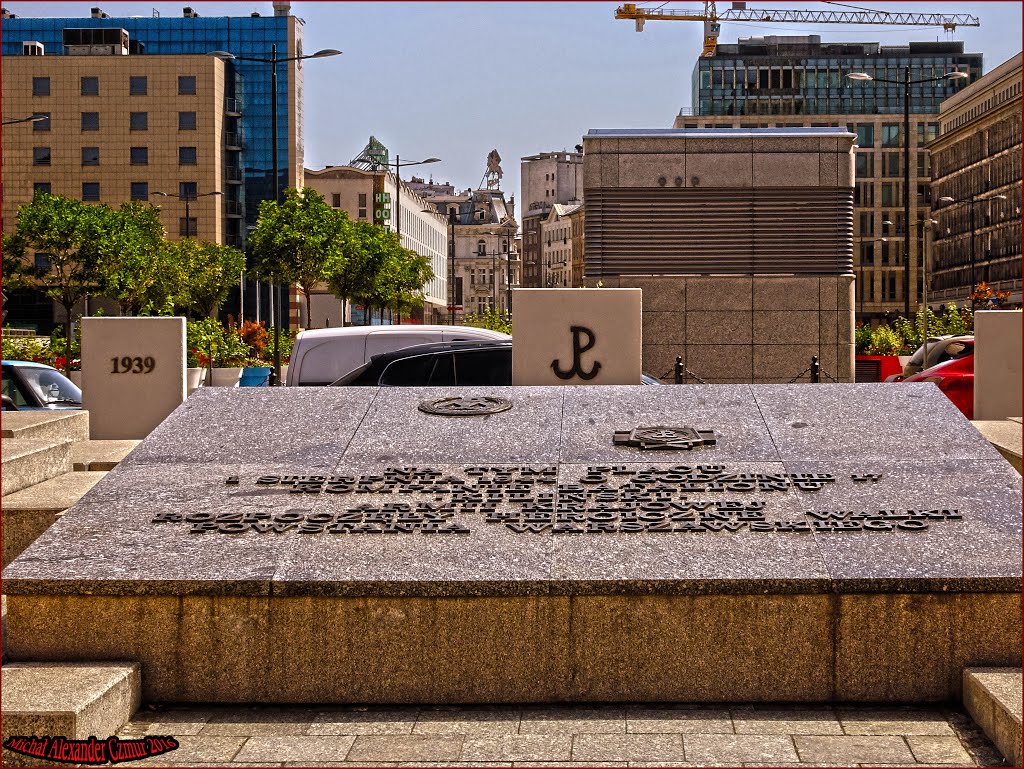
(255, 376)
(194, 379)
(875, 368)
(226, 377)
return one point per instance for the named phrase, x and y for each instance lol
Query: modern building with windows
(136, 105)
(546, 179)
(373, 196)
(976, 188)
(800, 82)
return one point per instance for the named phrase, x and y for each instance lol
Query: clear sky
(456, 79)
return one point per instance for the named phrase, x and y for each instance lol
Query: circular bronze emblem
(463, 406)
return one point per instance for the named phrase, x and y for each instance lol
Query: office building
(557, 247)
(372, 196)
(794, 82)
(136, 105)
(976, 189)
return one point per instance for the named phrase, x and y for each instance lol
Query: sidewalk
(584, 735)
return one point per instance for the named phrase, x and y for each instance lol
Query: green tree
(494, 321)
(208, 270)
(55, 250)
(131, 256)
(363, 253)
(411, 272)
(299, 240)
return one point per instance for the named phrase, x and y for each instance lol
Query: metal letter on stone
(664, 437)
(577, 354)
(465, 406)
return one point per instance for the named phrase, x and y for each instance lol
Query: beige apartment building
(557, 248)
(546, 178)
(122, 128)
(976, 188)
(374, 196)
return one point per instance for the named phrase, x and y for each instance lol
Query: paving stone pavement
(657, 735)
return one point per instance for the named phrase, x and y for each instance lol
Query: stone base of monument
(699, 543)
(993, 698)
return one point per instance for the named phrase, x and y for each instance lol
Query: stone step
(1005, 435)
(100, 455)
(30, 512)
(71, 699)
(46, 425)
(993, 698)
(25, 462)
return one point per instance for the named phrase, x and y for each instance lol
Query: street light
(906, 82)
(399, 165)
(186, 197)
(35, 118)
(510, 231)
(273, 62)
(972, 202)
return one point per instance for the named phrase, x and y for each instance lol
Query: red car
(955, 378)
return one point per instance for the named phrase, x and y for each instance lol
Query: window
(139, 156)
(892, 164)
(42, 187)
(90, 190)
(187, 85)
(138, 121)
(926, 132)
(483, 367)
(186, 156)
(40, 86)
(865, 165)
(187, 227)
(90, 156)
(40, 156)
(186, 121)
(90, 86)
(42, 261)
(336, 200)
(865, 134)
(138, 85)
(140, 191)
(42, 125)
(90, 121)
(481, 248)
(892, 135)
(188, 190)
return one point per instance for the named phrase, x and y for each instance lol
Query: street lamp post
(399, 165)
(34, 118)
(972, 202)
(187, 198)
(273, 61)
(906, 82)
(453, 219)
(509, 231)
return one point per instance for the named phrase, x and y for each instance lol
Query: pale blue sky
(456, 79)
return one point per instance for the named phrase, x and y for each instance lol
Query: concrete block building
(740, 239)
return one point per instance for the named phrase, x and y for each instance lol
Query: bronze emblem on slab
(664, 437)
(464, 406)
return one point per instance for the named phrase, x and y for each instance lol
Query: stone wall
(745, 329)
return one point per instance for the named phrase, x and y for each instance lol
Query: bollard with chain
(679, 369)
(815, 370)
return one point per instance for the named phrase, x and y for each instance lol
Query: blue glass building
(250, 36)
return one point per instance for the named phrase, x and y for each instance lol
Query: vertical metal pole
(494, 280)
(188, 220)
(398, 198)
(277, 199)
(906, 192)
(241, 296)
(925, 237)
(451, 267)
(815, 370)
(679, 369)
(508, 272)
(974, 283)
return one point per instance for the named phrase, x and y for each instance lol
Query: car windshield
(50, 386)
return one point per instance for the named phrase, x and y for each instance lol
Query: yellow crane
(739, 12)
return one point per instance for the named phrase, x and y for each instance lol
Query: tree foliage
(299, 240)
(208, 272)
(130, 264)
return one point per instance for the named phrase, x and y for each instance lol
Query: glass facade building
(248, 132)
(778, 75)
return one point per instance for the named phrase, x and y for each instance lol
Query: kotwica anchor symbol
(577, 353)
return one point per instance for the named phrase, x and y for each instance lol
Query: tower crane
(739, 12)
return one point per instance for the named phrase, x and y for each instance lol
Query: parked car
(955, 377)
(480, 363)
(320, 356)
(940, 349)
(28, 385)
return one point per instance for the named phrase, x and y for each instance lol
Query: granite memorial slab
(527, 544)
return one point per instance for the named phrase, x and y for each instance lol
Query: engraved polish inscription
(523, 499)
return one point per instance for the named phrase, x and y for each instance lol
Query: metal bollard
(815, 370)
(679, 369)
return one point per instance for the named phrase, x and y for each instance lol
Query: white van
(323, 355)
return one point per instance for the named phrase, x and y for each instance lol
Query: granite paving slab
(887, 421)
